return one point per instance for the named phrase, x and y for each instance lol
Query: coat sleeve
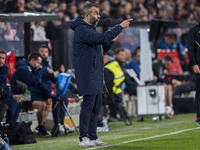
(191, 47)
(8, 93)
(107, 46)
(49, 76)
(31, 78)
(91, 36)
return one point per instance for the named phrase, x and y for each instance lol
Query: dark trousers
(184, 88)
(58, 109)
(13, 110)
(89, 116)
(197, 97)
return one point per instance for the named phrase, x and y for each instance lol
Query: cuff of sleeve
(120, 26)
(56, 74)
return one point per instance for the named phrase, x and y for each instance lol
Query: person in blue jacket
(46, 91)
(29, 74)
(5, 94)
(88, 63)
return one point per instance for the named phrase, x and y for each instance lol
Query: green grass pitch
(147, 135)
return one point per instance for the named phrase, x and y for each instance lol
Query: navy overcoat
(88, 55)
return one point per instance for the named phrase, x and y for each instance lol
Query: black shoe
(43, 131)
(197, 123)
(36, 130)
(140, 119)
(55, 131)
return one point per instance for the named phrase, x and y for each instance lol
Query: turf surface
(120, 133)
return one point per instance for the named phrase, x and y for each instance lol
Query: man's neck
(87, 21)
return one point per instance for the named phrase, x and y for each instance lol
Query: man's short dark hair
(167, 58)
(43, 46)
(118, 50)
(34, 56)
(2, 52)
(87, 8)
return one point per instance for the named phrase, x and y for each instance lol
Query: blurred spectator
(166, 42)
(121, 12)
(2, 30)
(30, 5)
(104, 9)
(20, 31)
(39, 33)
(128, 56)
(174, 41)
(80, 6)
(3, 5)
(9, 32)
(135, 62)
(62, 6)
(159, 70)
(121, 57)
(72, 11)
(19, 6)
(131, 84)
(49, 6)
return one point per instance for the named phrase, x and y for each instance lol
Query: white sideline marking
(147, 138)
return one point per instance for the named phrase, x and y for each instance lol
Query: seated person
(135, 62)
(46, 89)
(5, 94)
(159, 69)
(131, 84)
(29, 74)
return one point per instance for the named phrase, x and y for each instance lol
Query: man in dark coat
(88, 62)
(194, 55)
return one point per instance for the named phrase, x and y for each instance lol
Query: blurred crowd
(139, 10)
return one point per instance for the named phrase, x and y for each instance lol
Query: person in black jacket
(159, 70)
(88, 63)
(194, 56)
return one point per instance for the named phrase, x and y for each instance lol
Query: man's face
(36, 63)
(44, 53)
(94, 16)
(121, 56)
(2, 59)
(167, 64)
